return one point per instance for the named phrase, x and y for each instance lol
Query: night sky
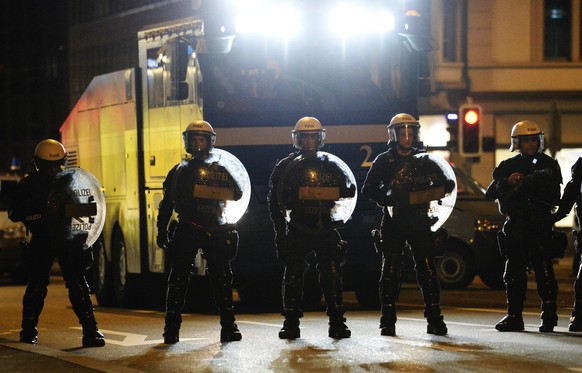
(33, 77)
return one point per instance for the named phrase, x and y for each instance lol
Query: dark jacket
(536, 194)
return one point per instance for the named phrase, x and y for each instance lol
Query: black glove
(162, 239)
(351, 191)
(449, 186)
(237, 194)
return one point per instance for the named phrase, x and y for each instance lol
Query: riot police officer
(198, 189)
(527, 187)
(310, 226)
(572, 194)
(31, 206)
(410, 226)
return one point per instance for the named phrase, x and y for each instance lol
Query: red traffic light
(470, 130)
(471, 117)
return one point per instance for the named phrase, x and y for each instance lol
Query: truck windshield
(269, 82)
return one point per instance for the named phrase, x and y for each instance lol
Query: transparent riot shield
(422, 188)
(212, 190)
(76, 206)
(317, 191)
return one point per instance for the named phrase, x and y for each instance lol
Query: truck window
(172, 74)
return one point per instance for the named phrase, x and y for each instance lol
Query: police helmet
(308, 125)
(198, 128)
(49, 153)
(523, 129)
(403, 120)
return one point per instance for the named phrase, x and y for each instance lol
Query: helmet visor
(309, 140)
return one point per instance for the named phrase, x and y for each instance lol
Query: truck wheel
(123, 283)
(100, 276)
(456, 269)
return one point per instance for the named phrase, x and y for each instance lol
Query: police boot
(172, 328)
(338, 329)
(436, 325)
(510, 323)
(229, 331)
(92, 337)
(549, 318)
(388, 321)
(290, 329)
(29, 333)
(575, 322)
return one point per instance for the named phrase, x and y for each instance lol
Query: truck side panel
(102, 129)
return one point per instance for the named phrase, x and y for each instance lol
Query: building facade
(517, 59)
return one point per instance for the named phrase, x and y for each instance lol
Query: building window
(450, 42)
(557, 30)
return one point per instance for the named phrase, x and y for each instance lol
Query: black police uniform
(573, 194)
(410, 227)
(525, 239)
(48, 242)
(200, 226)
(310, 229)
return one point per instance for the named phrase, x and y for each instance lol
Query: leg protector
(292, 289)
(330, 283)
(221, 282)
(172, 328)
(516, 285)
(176, 293)
(389, 287)
(547, 287)
(83, 307)
(32, 305)
(427, 278)
(80, 299)
(389, 291)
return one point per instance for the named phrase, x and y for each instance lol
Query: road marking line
(132, 339)
(258, 323)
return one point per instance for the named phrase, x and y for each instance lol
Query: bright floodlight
(350, 19)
